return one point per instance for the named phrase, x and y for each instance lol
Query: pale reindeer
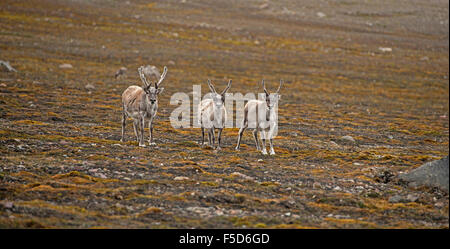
(140, 103)
(213, 115)
(261, 116)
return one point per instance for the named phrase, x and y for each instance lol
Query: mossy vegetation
(62, 164)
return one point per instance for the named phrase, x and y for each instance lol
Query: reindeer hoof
(152, 144)
(237, 149)
(264, 152)
(272, 152)
(218, 148)
(142, 145)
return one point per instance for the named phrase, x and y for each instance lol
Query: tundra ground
(376, 71)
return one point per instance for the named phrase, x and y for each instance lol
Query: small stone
(337, 188)
(321, 14)
(348, 138)
(385, 49)
(246, 177)
(127, 179)
(264, 6)
(65, 66)
(181, 178)
(64, 142)
(317, 185)
(439, 204)
(333, 144)
(287, 214)
(171, 62)
(396, 199)
(89, 87)
(120, 72)
(101, 175)
(2, 85)
(412, 197)
(7, 204)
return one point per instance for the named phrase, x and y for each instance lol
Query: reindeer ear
(147, 88)
(160, 90)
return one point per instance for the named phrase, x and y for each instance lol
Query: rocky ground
(366, 98)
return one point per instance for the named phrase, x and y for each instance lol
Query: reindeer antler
(141, 74)
(226, 89)
(264, 87)
(281, 83)
(211, 87)
(162, 78)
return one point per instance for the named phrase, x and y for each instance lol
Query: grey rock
(120, 72)
(65, 66)
(246, 177)
(431, 174)
(181, 178)
(7, 204)
(348, 138)
(89, 87)
(8, 67)
(396, 199)
(412, 198)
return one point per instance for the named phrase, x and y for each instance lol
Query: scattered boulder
(396, 199)
(403, 199)
(7, 204)
(120, 72)
(65, 66)
(385, 49)
(412, 197)
(181, 178)
(348, 139)
(264, 6)
(9, 68)
(321, 14)
(246, 177)
(89, 87)
(431, 174)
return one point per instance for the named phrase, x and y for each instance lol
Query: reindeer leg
(135, 128)
(241, 132)
(209, 137)
(263, 139)
(272, 152)
(255, 136)
(203, 137)
(213, 137)
(150, 127)
(142, 125)
(219, 138)
(124, 119)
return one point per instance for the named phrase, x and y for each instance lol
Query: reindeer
(213, 115)
(261, 116)
(140, 103)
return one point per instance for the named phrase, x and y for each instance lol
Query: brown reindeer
(141, 103)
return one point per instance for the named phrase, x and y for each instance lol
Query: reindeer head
(152, 92)
(219, 99)
(271, 99)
